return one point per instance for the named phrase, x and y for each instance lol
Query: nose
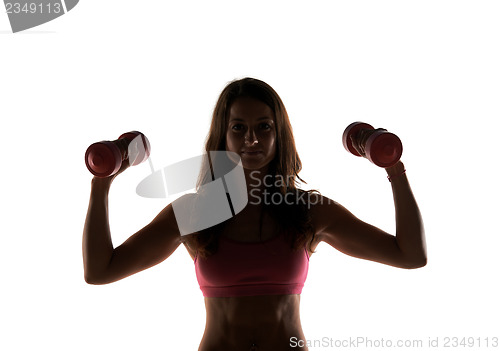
(250, 137)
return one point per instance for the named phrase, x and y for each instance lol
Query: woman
(252, 267)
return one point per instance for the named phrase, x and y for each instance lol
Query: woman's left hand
(359, 139)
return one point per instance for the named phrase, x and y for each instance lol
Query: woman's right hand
(109, 179)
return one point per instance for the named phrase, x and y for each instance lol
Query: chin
(251, 167)
(254, 166)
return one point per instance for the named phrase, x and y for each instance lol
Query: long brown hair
(293, 219)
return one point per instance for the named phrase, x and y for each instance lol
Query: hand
(108, 180)
(359, 139)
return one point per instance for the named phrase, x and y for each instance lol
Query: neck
(255, 180)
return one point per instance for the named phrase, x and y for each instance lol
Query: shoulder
(324, 212)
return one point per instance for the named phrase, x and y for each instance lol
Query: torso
(269, 322)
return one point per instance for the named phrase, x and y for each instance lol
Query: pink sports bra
(268, 267)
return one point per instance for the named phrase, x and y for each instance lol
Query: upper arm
(146, 248)
(342, 230)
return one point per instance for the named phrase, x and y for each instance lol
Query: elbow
(92, 280)
(87, 275)
(89, 280)
(416, 263)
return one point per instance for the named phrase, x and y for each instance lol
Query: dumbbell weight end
(384, 149)
(103, 158)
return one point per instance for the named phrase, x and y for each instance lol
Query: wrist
(395, 171)
(101, 184)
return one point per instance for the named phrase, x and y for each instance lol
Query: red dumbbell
(382, 148)
(105, 157)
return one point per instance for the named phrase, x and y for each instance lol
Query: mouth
(251, 153)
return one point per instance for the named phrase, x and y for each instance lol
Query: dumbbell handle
(122, 144)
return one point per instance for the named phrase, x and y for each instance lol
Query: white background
(427, 71)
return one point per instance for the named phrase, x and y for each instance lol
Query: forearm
(97, 245)
(410, 233)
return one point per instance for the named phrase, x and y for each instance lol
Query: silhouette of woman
(252, 267)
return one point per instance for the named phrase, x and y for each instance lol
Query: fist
(359, 139)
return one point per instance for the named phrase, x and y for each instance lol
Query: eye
(237, 127)
(265, 126)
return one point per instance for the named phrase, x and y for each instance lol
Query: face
(251, 132)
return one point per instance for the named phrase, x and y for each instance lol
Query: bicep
(146, 248)
(345, 232)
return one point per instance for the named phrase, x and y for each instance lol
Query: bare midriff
(254, 323)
